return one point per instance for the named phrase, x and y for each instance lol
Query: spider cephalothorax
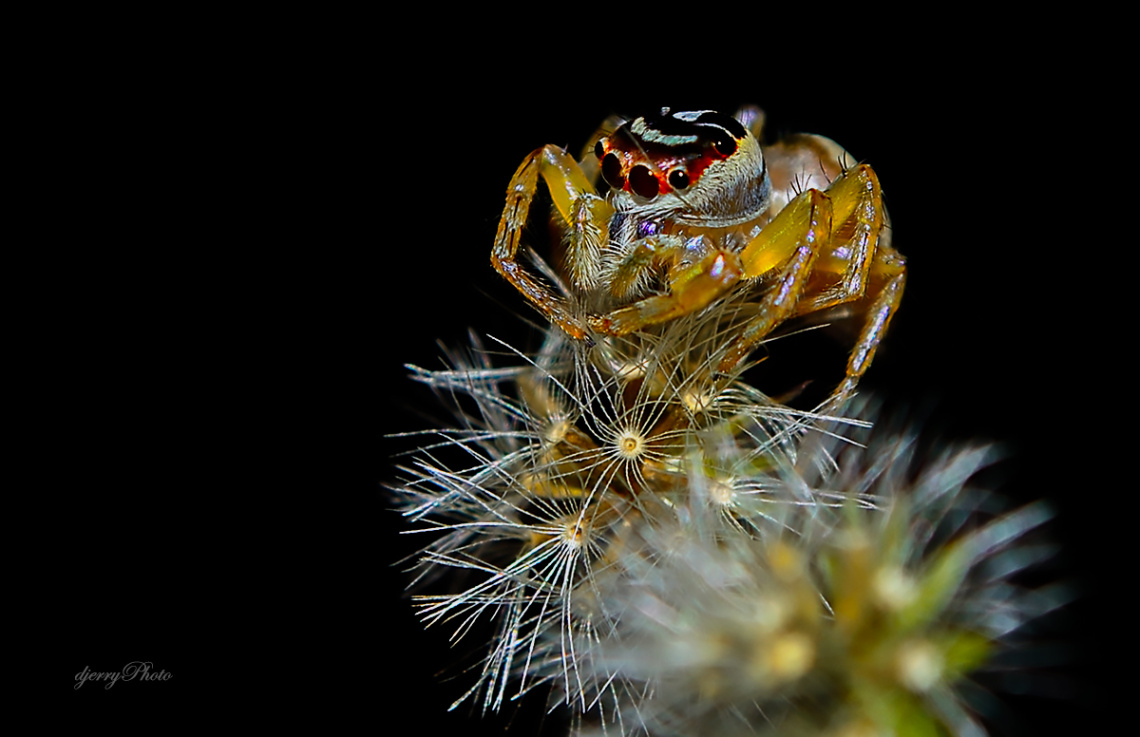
(703, 168)
(695, 207)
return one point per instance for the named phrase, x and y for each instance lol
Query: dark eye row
(641, 179)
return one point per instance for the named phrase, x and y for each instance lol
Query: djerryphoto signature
(137, 670)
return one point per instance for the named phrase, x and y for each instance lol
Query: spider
(696, 207)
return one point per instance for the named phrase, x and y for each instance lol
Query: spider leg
(584, 214)
(867, 268)
(692, 289)
(795, 238)
(752, 118)
(858, 217)
(628, 274)
(874, 328)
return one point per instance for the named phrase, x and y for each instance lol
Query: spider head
(698, 166)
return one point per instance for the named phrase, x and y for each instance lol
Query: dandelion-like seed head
(676, 553)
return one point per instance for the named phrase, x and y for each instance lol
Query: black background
(252, 233)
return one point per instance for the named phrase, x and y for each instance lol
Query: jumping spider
(696, 206)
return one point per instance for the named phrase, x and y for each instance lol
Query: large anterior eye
(611, 171)
(642, 181)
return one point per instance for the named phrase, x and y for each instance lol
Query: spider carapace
(696, 209)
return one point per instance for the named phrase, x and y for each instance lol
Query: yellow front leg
(806, 220)
(584, 214)
(694, 288)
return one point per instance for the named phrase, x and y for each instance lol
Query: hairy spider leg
(793, 239)
(585, 214)
(692, 289)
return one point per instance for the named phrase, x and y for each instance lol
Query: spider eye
(678, 179)
(725, 146)
(611, 171)
(599, 149)
(642, 181)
